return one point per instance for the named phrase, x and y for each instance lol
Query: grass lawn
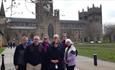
(104, 51)
(1, 50)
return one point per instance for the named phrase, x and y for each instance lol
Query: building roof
(21, 27)
(21, 20)
(68, 21)
(72, 21)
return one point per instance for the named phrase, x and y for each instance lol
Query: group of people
(11, 44)
(45, 55)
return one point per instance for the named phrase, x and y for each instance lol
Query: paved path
(86, 63)
(8, 58)
(83, 63)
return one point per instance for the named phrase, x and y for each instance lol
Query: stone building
(87, 28)
(76, 30)
(47, 20)
(19, 27)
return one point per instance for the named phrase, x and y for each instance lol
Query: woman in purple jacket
(70, 55)
(45, 47)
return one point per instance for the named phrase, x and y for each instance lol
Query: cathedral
(87, 28)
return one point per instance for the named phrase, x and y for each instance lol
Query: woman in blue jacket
(19, 54)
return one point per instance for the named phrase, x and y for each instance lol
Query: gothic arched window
(50, 30)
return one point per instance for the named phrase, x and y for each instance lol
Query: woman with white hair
(70, 55)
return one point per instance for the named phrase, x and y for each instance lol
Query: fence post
(95, 59)
(2, 65)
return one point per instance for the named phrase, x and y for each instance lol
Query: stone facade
(47, 20)
(19, 27)
(76, 30)
(87, 28)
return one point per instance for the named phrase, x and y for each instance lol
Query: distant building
(87, 28)
(76, 30)
(47, 19)
(18, 27)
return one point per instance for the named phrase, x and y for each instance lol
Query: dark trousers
(22, 67)
(44, 66)
(70, 67)
(52, 67)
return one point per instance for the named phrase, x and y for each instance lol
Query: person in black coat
(45, 48)
(64, 37)
(19, 54)
(33, 55)
(9, 44)
(56, 55)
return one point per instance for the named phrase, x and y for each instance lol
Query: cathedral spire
(2, 12)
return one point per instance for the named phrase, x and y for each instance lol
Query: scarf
(45, 46)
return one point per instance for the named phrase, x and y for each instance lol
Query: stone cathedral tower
(93, 17)
(47, 20)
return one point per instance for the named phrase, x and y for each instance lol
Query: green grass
(104, 51)
(1, 50)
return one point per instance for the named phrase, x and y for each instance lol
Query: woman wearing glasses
(56, 54)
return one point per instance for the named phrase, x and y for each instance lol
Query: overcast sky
(68, 9)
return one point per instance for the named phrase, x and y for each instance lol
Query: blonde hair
(56, 35)
(22, 38)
